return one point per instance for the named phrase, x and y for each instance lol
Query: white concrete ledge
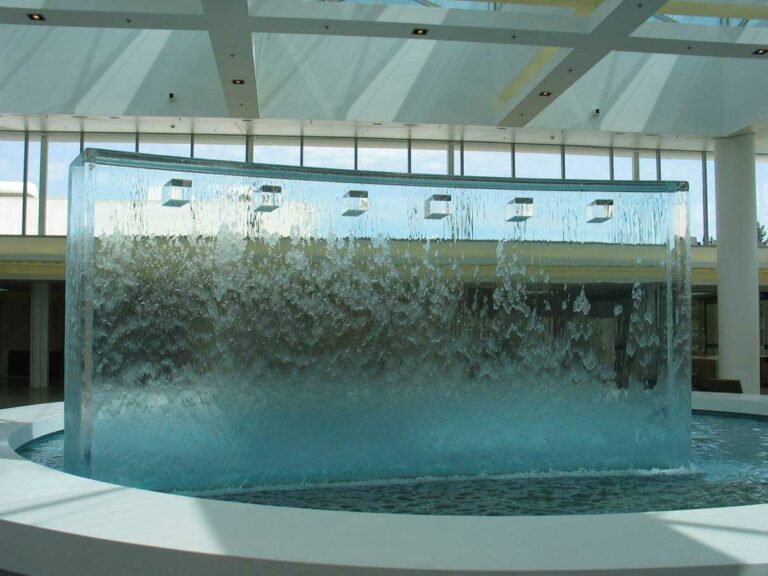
(735, 403)
(58, 524)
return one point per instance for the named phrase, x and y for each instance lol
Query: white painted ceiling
(682, 70)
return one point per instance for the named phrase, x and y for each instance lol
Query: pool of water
(729, 467)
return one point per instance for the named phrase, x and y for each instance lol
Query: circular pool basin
(729, 467)
(56, 523)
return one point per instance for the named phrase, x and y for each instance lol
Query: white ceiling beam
(227, 22)
(615, 23)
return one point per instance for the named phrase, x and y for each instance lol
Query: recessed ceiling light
(545, 93)
(420, 31)
(36, 17)
(760, 51)
(238, 82)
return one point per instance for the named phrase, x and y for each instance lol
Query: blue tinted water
(729, 467)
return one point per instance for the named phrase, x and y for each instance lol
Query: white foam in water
(215, 344)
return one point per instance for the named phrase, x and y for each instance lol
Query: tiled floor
(16, 392)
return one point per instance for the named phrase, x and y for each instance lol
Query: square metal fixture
(520, 209)
(437, 206)
(355, 203)
(599, 211)
(269, 198)
(176, 192)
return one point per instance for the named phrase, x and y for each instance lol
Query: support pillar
(738, 311)
(38, 330)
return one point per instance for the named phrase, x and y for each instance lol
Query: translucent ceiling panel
(384, 79)
(477, 5)
(724, 13)
(134, 7)
(109, 72)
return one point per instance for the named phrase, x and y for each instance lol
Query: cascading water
(269, 325)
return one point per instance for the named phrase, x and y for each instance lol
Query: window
(582, 163)
(429, 157)
(285, 151)
(688, 167)
(212, 147)
(486, 159)
(329, 153)
(647, 165)
(622, 164)
(166, 144)
(537, 161)
(11, 181)
(761, 189)
(33, 186)
(119, 142)
(62, 150)
(711, 199)
(382, 155)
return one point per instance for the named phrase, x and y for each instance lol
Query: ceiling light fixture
(238, 82)
(420, 31)
(36, 17)
(760, 52)
(545, 93)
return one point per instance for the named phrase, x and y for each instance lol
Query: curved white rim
(52, 522)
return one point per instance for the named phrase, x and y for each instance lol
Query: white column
(738, 312)
(38, 329)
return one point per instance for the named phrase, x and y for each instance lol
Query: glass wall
(32, 205)
(711, 220)
(119, 142)
(431, 157)
(382, 155)
(484, 159)
(761, 175)
(648, 165)
(587, 163)
(330, 153)
(538, 161)
(688, 166)
(11, 181)
(276, 150)
(418, 156)
(166, 144)
(214, 147)
(62, 150)
(623, 159)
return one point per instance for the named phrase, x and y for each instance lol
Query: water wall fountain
(233, 324)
